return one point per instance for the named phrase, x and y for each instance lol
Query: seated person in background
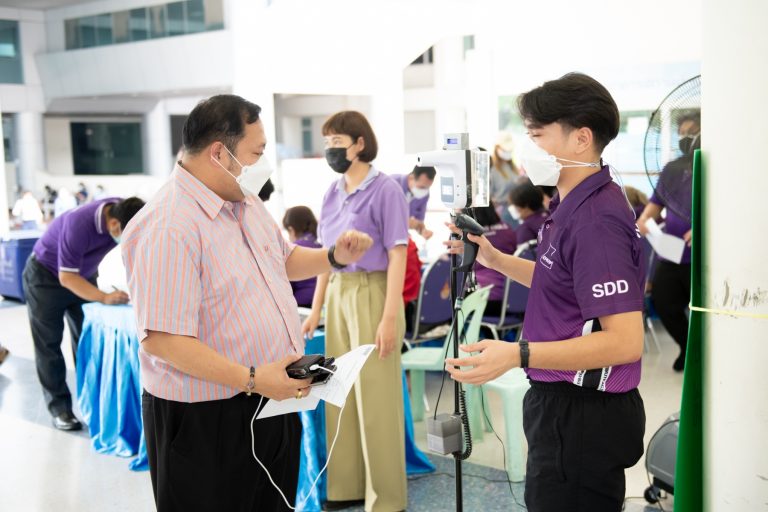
(637, 199)
(526, 202)
(412, 284)
(416, 189)
(502, 237)
(549, 193)
(301, 225)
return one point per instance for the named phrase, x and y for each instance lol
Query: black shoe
(679, 364)
(66, 421)
(341, 505)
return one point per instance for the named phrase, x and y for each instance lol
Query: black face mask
(337, 159)
(686, 143)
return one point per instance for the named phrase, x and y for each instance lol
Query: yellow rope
(762, 316)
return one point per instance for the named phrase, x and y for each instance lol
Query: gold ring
(299, 395)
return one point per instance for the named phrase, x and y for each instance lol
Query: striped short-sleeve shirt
(214, 270)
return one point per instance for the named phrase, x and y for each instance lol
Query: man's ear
(584, 140)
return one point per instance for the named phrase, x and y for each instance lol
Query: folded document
(334, 391)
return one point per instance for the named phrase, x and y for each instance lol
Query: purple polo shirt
(77, 240)
(417, 208)
(502, 238)
(590, 264)
(304, 290)
(675, 184)
(529, 228)
(377, 207)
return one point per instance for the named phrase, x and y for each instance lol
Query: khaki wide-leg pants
(369, 458)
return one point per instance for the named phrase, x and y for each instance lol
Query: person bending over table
(58, 278)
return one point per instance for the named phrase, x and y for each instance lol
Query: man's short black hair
(547, 190)
(266, 190)
(526, 195)
(430, 172)
(575, 101)
(486, 216)
(125, 210)
(219, 118)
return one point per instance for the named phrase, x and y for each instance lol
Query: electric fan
(673, 135)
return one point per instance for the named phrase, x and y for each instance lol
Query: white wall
(32, 38)
(735, 78)
(158, 66)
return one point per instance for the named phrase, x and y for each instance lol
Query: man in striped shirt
(208, 271)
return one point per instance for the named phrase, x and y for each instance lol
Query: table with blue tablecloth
(109, 395)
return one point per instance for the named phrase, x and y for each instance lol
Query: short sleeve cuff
(612, 309)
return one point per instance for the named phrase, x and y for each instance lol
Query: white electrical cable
(318, 367)
(620, 182)
(253, 451)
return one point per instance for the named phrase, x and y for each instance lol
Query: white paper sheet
(334, 391)
(667, 246)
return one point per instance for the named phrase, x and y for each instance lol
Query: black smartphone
(301, 369)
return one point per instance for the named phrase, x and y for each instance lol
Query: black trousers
(671, 294)
(200, 455)
(580, 441)
(48, 304)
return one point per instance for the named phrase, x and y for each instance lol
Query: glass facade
(158, 21)
(107, 147)
(10, 53)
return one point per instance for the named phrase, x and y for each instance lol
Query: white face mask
(514, 212)
(504, 155)
(419, 193)
(252, 177)
(543, 168)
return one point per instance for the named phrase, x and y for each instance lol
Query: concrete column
(388, 121)
(450, 107)
(4, 227)
(30, 147)
(158, 153)
(735, 78)
(252, 81)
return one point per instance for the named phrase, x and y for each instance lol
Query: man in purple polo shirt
(583, 333)
(59, 277)
(416, 188)
(671, 284)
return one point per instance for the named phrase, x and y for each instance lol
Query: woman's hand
(385, 337)
(487, 255)
(495, 359)
(309, 326)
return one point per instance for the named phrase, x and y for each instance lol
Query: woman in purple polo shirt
(526, 203)
(583, 332)
(501, 237)
(301, 225)
(364, 305)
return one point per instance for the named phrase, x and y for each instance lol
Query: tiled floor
(42, 469)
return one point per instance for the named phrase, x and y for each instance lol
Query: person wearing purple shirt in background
(301, 225)
(416, 188)
(364, 305)
(502, 237)
(671, 283)
(59, 277)
(526, 203)
(582, 340)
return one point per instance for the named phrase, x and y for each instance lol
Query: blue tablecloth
(109, 395)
